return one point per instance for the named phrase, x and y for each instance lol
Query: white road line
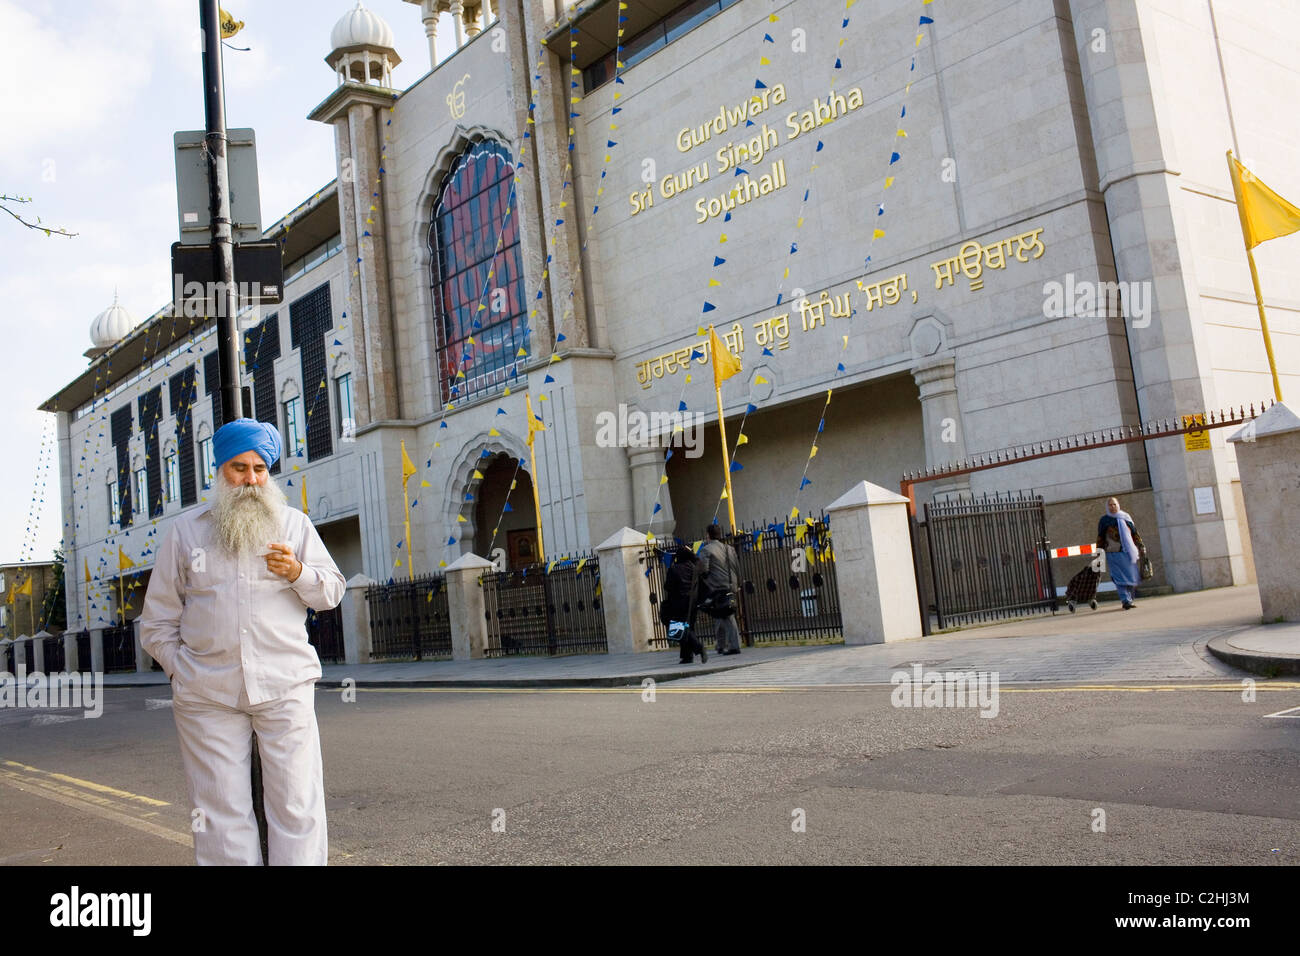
(1292, 712)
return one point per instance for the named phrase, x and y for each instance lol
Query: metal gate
(409, 620)
(988, 558)
(788, 590)
(546, 609)
(325, 633)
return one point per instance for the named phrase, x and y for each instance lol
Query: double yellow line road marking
(108, 803)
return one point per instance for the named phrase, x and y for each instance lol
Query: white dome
(361, 27)
(111, 326)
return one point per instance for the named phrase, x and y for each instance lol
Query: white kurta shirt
(219, 624)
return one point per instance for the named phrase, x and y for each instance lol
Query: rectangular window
(172, 473)
(347, 422)
(295, 436)
(114, 504)
(141, 491)
(207, 460)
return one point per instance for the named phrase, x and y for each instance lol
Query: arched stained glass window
(475, 233)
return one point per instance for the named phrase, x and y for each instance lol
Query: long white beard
(249, 517)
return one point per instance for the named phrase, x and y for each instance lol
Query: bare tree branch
(37, 225)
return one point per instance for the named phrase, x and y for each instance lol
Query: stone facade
(1077, 142)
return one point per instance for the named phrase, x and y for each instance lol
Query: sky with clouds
(90, 96)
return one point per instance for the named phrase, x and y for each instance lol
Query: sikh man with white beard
(225, 616)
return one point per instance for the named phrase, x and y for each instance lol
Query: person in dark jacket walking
(720, 570)
(681, 594)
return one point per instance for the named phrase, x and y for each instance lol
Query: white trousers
(216, 748)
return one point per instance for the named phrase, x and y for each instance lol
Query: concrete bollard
(1268, 459)
(357, 637)
(873, 565)
(97, 650)
(71, 662)
(37, 644)
(466, 607)
(625, 594)
(143, 662)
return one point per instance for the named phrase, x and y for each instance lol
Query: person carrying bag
(720, 568)
(677, 610)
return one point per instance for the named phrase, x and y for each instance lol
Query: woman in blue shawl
(1116, 528)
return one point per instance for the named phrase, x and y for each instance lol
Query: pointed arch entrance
(503, 512)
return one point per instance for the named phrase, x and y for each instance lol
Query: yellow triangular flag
(759, 380)
(408, 466)
(725, 364)
(229, 25)
(123, 562)
(535, 424)
(663, 479)
(477, 476)
(1264, 214)
(86, 564)
(461, 519)
(742, 439)
(25, 588)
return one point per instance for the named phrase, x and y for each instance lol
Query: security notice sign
(1198, 439)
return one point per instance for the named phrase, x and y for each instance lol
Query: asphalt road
(1184, 774)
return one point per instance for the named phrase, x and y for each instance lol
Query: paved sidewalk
(1270, 649)
(1173, 637)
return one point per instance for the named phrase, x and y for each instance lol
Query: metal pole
(726, 459)
(222, 299)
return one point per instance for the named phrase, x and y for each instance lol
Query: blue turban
(246, 434)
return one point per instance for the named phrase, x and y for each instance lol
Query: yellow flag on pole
(1264, 214)
(303, 486)
(408, 466)
(229, 25)
(86, 564)
(25, 587)
(123, 562)
(725, 364)
(535, 424)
